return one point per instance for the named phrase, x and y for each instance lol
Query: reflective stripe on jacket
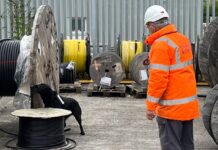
(171, 85)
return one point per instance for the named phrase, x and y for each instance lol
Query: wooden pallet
(75, 87)
(95, 90)
(137, 91)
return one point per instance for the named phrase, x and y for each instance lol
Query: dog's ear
(34, 88)
(55, 93)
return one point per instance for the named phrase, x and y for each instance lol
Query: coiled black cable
(9, 51)
(66, 75)
(41, 134)
(4, 131)
(37, 132)
(67, 145)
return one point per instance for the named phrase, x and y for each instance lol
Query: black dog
(52, 99)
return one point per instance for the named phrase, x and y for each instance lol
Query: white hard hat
(155, 13)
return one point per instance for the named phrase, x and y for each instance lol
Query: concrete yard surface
(110, 123)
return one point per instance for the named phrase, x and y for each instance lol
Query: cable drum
(9, 51)
(107, 69)
(138, 69)
(41, 133)
(79, 52)
(209, 113)
(67, 72)
(214, 122)
(41, 128)
(208, 54)
(128, 50)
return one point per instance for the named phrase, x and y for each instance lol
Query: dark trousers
(175, 135)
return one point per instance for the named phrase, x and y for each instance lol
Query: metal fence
(106, 20)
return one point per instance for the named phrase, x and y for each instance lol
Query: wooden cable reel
(139, 70)
(208, 62)
(208, 53)
(43, 128)
(108, 66)
(44, 55)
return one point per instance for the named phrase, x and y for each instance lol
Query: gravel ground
(110, 123)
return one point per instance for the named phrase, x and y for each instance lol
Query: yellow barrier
(75, 50)
(128, 50)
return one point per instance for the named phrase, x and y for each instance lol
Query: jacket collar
(165, 30)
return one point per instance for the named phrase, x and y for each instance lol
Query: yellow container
(75, 50)
(128, 50)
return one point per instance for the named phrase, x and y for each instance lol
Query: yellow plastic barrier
(128, 50)
(75, 50)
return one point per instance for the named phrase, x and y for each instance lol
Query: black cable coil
(41, 133)
(66, 75)
(9, 51)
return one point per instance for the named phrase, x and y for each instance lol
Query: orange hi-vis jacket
(171, 84)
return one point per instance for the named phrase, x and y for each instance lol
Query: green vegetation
(21, 18)
(210, 9)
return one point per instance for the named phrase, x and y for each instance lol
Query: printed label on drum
(70, 66)
(143, 75)
(105, 81)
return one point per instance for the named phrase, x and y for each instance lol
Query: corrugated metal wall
(105, 20)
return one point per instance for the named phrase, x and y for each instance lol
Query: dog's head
(42, 89)
(46, 93)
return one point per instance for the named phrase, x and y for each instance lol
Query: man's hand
(150, 114)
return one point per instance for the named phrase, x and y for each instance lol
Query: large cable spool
(44, 53)
(210, 113)
(214, 122)
(78, 52)
(208, 53)
(139, 69)
(128, 50)
(42, 128)
(9, 50)
(207, 57)
(107, 66)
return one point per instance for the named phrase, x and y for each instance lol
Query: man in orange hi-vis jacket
(172, 90)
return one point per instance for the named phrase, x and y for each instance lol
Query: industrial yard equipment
(9, 50)
(138, 69)
(208, 54)
(128, 49)
(77, 51)
(67, 72)
(106, 71)
(39, 128)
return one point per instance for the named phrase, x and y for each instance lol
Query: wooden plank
(137, 91)
(66, 88)
(91, 81)
(202, 84)
(94, 90)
